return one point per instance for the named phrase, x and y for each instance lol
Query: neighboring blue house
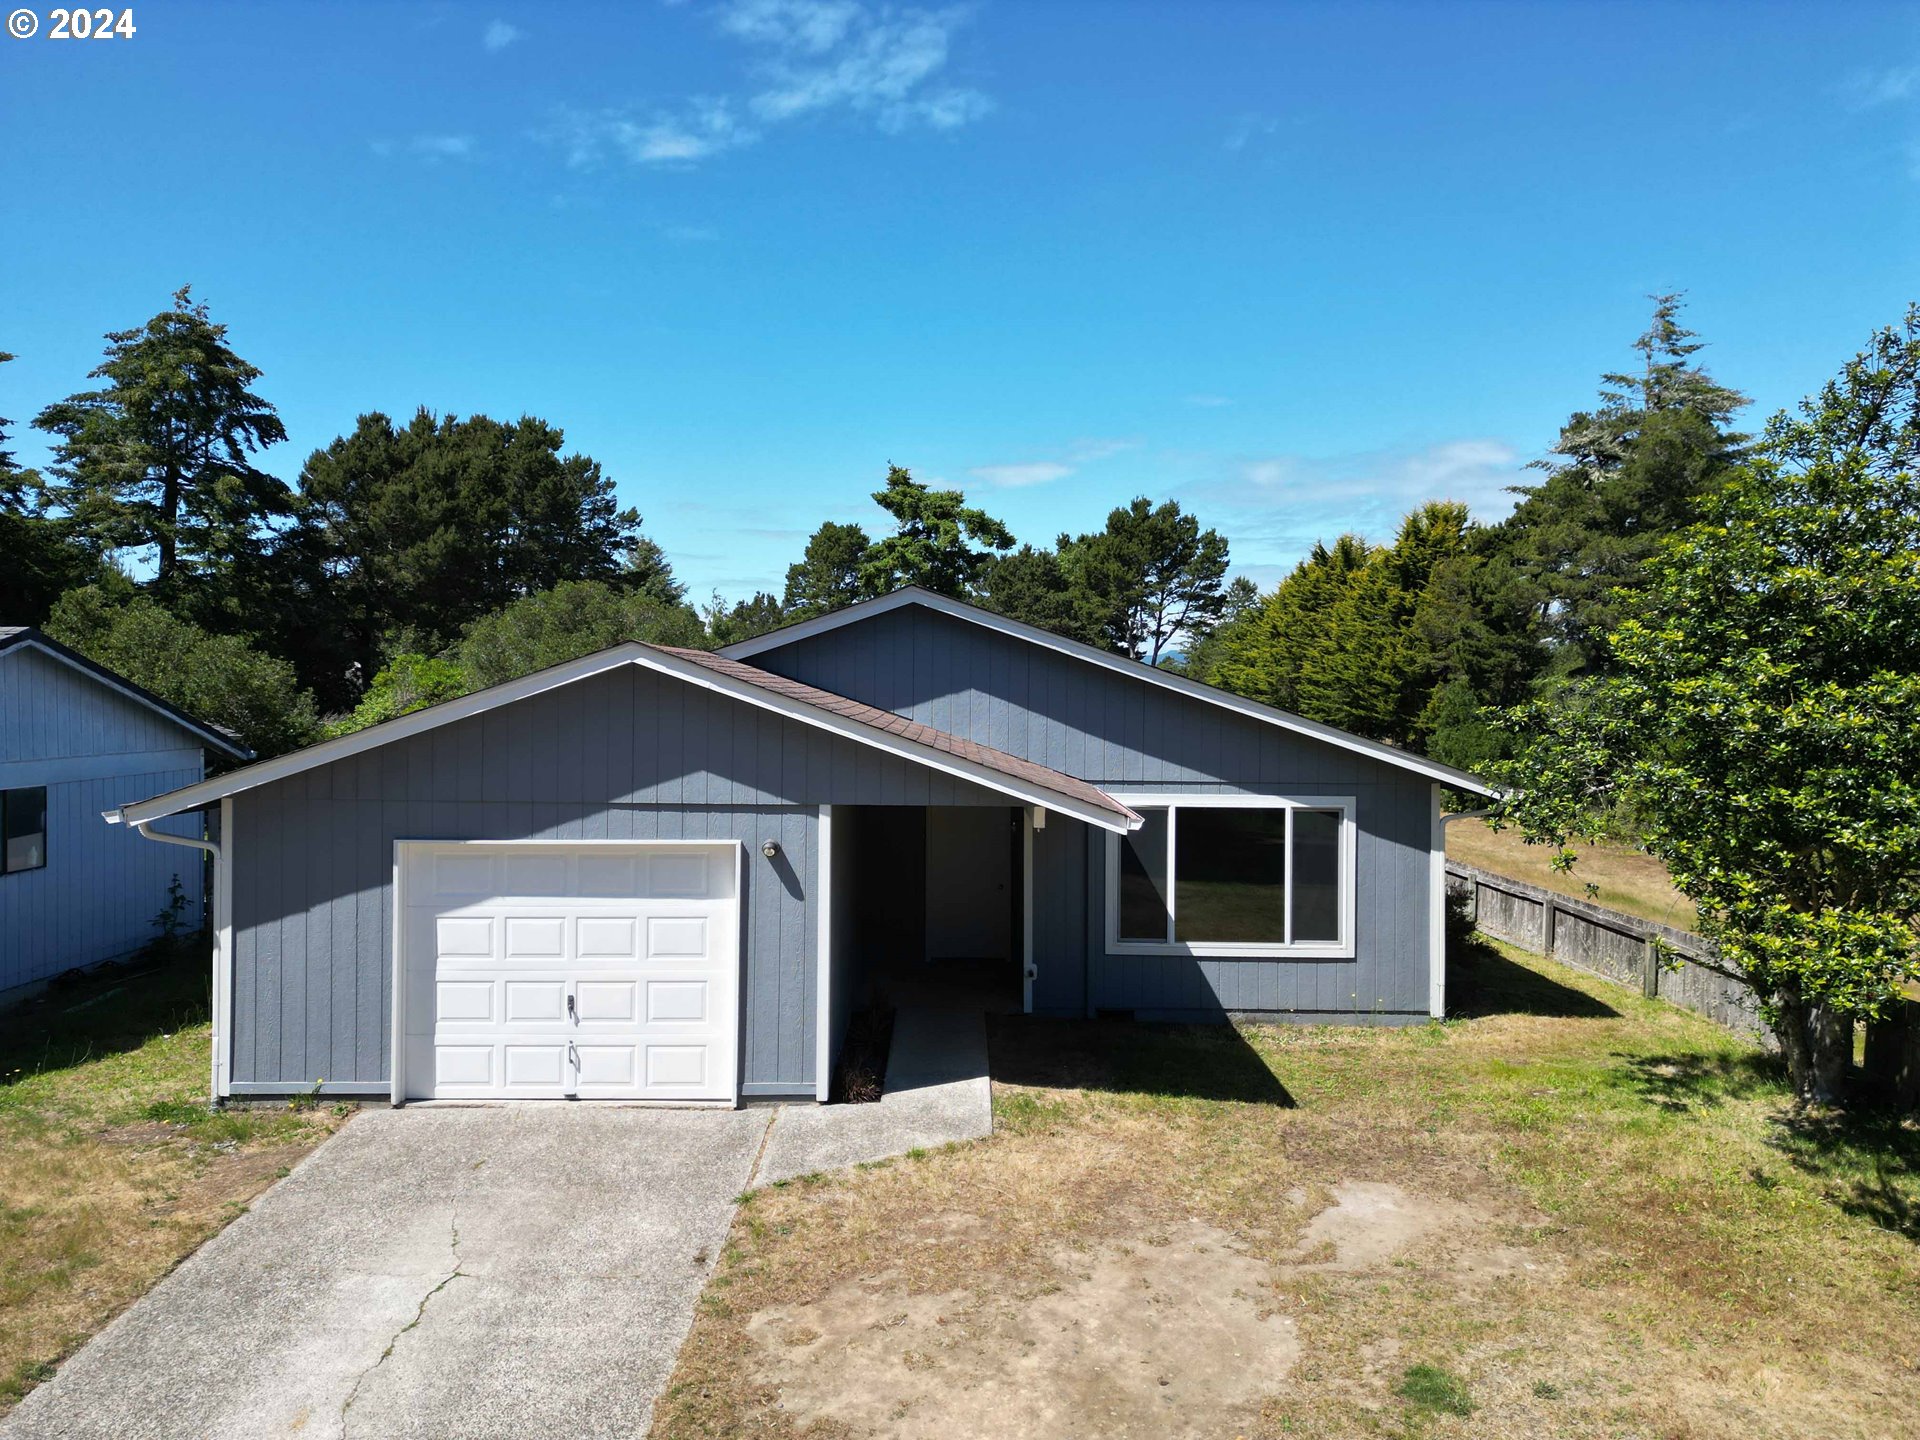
(661, 874)
(75, 739)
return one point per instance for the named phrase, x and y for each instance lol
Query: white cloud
(427, 147)
(1249, 128)
(1033, 472)
(1865, 89)
(1044, 472)
(808, 57)
(703, 128)
(499, 35)
(1274, 507)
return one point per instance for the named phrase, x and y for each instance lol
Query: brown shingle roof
(1000, 761)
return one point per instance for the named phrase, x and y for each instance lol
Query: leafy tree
(828, 575)
(42, 559)
(939, 541)
(216, 678)
(407, 535)
(1761, 716)
(161, 455)
(574, 618)
(1629, 473)
(409, 682)
(744, 619)
(1150, 576)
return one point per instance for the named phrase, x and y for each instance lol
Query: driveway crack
(419, 1314)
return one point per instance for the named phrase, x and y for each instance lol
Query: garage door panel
(674, 937)
(465, 936)
(643, 941)
(536, 1001)
(607, 937)
(463, 1065)
(677, 1066)
(456, 1001)
(679, 877)
(535, 937)
(672, 1002)
(540, 1067)
(606, 1001)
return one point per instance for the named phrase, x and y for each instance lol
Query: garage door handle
(570, 1015)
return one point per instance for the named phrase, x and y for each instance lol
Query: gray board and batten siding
(624, 754)
(92, 747)
(1128, 734)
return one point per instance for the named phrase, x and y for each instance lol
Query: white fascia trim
(200, 732)
(328, 751)
(1020, 630)
(1437, 913)
(823, 964)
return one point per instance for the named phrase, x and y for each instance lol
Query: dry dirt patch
(1174, 1329)
(1170, 1335)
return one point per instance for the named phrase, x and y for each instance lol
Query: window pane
(24, 816)
(1143, 879)
(1230, 872)
(1316, 875)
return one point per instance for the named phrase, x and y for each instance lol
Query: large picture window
(23, 829)
(1233, 875)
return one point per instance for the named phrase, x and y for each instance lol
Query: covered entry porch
(928, 913)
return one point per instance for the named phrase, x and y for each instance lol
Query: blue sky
(1298, 266)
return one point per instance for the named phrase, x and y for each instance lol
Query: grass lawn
(1626, 879)
(1569, 1212)
(112, 1168)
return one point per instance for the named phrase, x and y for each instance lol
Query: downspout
(221, 958)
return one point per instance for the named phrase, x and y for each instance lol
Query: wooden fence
(1604, 942)
(1621, 948)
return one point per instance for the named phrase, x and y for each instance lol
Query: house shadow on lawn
(1482, 982)
(1133, 1057)
(105, 1011)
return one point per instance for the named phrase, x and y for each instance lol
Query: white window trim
(1341, 949)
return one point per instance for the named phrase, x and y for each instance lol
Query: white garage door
(590, 971)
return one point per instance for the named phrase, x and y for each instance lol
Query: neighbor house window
(1233, 875)
(23, 828)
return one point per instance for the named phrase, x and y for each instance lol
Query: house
(663, 874)
(75, 737)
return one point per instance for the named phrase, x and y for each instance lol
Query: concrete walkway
(501, 1270)
(937, 1092)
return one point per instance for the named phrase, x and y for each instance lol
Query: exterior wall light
(770, 849)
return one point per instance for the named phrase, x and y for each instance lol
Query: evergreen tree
(744, 619)
(1629, 473)
(828, 576)
(939, 542)
(39, 558)
(161, 455)
(1033, 586)
(1151, 576)
(407, 535)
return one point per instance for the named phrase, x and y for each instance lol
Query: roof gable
(1132, 669)
(880, 730)
(18, 638)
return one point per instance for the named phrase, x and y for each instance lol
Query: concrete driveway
(500, 1271)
